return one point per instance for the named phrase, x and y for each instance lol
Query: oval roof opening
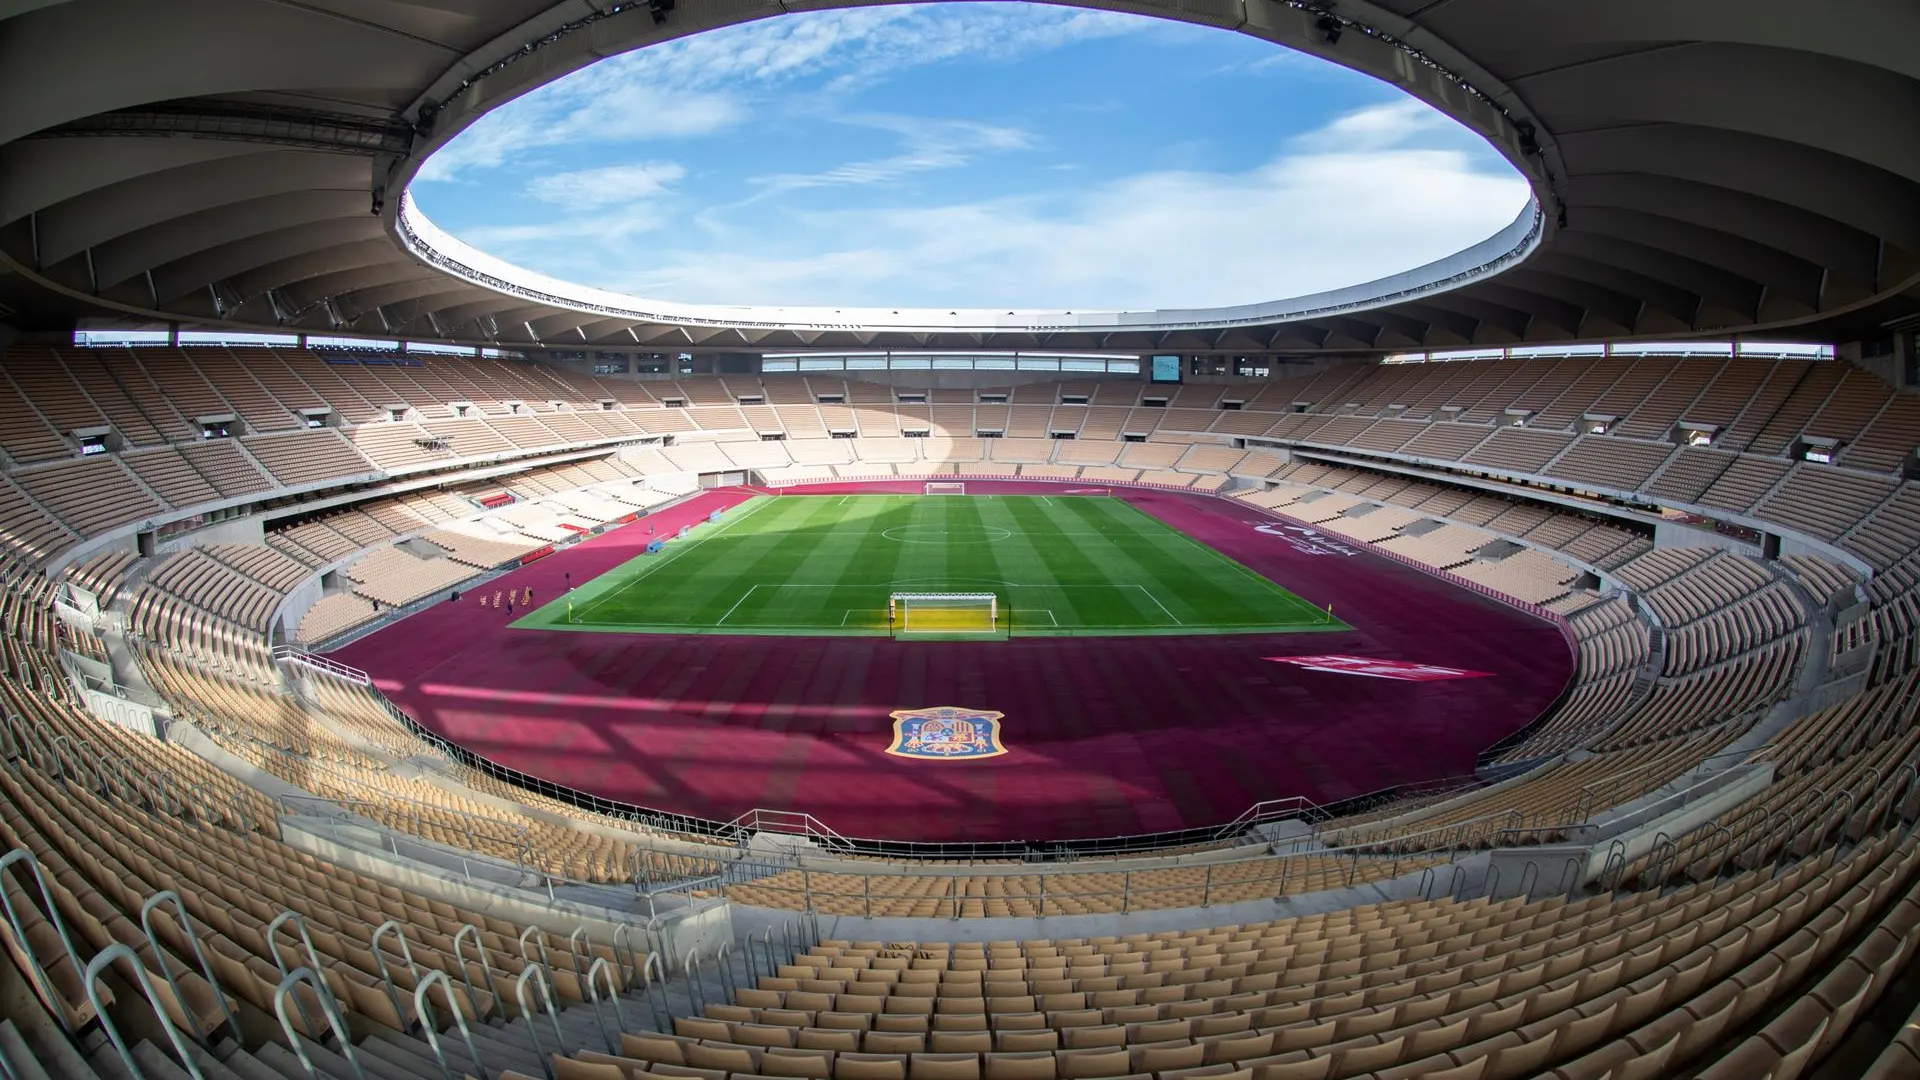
(998, 159)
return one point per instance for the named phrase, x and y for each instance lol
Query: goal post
(910, 614)
(945, 487)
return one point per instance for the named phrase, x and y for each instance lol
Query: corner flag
(569, 611)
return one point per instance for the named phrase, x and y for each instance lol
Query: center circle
(946, 534)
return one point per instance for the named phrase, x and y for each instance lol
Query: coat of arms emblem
(946, 733)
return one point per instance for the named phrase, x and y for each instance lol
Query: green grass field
(825, 565)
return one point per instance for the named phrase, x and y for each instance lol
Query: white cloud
(606, 185)
(706, 83)
(1378, 127)
(868, 41)
(1371, 194)
(619, 114)
(578, 232)
(926, 145)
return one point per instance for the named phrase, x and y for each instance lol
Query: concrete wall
(1553, 866)
(298, 603)
(1790, 546)
(1674, 534)
(705, 927)
(245, 530)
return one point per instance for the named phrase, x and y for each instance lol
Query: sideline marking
(736, 604)
(672, 553)
(1158, 604)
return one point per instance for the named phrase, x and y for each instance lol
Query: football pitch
(825, 565)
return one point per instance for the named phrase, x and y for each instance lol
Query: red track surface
(1106, 736)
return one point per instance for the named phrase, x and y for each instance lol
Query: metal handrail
(313, 959)
(697, 990)
(199, 956)
(42, 983)
(601, 966)
(527, 1010)
(486, 969)
(98, 965)
(1572, 881)
(328, 1007)
(721, 956)
(574, 949)
(423, 1009)
(386, 976)
(534, 928)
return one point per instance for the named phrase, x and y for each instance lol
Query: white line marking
(1158, 604)
(751, 589)
(673, 552)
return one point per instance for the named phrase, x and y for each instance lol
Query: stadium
(417, 664)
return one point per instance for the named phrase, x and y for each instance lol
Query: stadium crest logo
(946, 734)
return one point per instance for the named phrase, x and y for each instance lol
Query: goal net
(945, 487)
(944, 613)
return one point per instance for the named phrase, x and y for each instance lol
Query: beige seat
(1028, 1041)
(1365, 1059)
(1155, 1059)
(728, 1058)
(1035, 1065)
(801, 1063)
(1317, 1068)
(699, 1027)
(1093, 1064)
(944, 1067)
(565, 1068)
(886, 1042)
(1086, 1038)
(852, 1066)
(827, 1039)
(650, 1047)
(763, 1035)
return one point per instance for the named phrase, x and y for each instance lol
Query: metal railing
(1042, 892)
(295, 655)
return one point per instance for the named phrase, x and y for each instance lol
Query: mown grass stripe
(825, 565)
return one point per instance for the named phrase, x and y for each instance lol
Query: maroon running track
(1105, 736)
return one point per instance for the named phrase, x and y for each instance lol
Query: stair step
(328, 1061)
(415, 1050)
(281, 1060)
(378, 1067)
(380, 1050)
(106, 1063)
(19, 1055)
(243, 1064)
(156, 1064)
(211, 1067)
(509, 1047)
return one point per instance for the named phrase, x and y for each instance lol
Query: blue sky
(981, 155)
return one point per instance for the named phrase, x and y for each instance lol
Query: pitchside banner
(1375, 668)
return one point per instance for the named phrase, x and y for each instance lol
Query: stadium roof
(1714, 167)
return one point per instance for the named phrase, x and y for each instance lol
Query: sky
(980, 155)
